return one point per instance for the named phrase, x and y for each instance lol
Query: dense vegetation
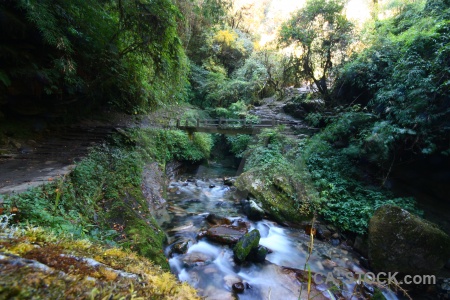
(390, 106)
(385, 93)
(76, 54)
(102, 198)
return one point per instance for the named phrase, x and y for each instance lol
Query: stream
(210, 268)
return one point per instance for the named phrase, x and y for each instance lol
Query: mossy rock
(402, 242)
(246, 244)
(258, 255)
(141, 232)
(276, 197)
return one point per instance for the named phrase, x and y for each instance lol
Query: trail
(37, 162)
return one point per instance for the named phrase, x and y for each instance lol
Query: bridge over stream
(227, 126)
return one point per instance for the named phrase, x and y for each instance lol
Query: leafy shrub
(166, 145)
(347, 199)
(239, 144)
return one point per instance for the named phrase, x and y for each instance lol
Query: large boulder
(404, 243)
(275, 196)
(246, 244)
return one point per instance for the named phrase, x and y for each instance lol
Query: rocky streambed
(226, 254)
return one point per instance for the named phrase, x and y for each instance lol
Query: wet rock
(213, 293)
(404, 243)
(443, 288)
(291, 278)
(322, 233)
(242, 224)
(335, 242)
(258, 255)
(229, 181)
(190, 179)
(222, 204)
(252, 210)
(193, 200)
(246, 244)
(185, 184)
(180, 247)
(226, 234)
(196, 259)
(335, 235)
(230, 280)
(331, 228)
(364, 262)
(212, 186)
(217, 220)
(361, 245)
(329, 264)
(201, 234)
(238, 287)
(172, 189)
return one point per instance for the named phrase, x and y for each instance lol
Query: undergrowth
(79, 269)
(341, 160)
(101, 199)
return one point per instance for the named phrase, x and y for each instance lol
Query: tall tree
(320, 33)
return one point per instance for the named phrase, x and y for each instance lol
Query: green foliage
(268, 154)
(239, 144)
(347, 195)
(198, 17)
(125, 53)
(73, 204)
(167, 145)
(322, 33)
(403, 77)
(101, 198)
(225, 75)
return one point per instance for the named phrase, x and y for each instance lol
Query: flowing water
(209, 266)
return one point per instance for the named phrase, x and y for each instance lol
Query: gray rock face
(402, 242)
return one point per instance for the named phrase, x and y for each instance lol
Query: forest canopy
(125, 53)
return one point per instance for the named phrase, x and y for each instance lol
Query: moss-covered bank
(35, 264)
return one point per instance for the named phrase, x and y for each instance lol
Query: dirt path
(33, 164)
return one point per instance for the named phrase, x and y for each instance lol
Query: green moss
(56, 266)
(102, 198)
(141, 232)
(402, 242)
(277, 197)
(245, 245)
